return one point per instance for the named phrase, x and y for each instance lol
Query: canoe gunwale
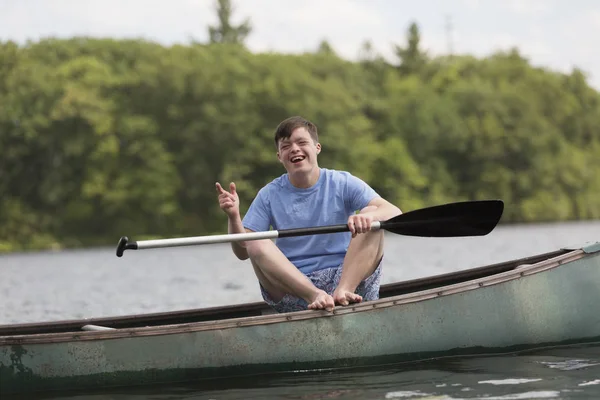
(519, 271)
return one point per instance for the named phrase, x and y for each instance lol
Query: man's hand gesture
(229, 201)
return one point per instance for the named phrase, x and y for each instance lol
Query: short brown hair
(286, 127)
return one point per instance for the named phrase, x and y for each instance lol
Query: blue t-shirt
(334, 197)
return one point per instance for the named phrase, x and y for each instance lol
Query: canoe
(542, 300)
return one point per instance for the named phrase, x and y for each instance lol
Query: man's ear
(318, 148)
(279, 158)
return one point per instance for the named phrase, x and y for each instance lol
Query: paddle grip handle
(125, 244)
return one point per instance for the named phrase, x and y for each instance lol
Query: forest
(103, 137)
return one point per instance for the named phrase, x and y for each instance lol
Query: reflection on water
(560, 373)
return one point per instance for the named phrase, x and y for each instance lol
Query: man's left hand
(360, 223)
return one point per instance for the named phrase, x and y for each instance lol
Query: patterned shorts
(327, 280)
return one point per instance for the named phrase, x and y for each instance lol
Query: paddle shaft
(125, 244)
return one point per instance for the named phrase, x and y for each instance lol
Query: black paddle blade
(469, 218)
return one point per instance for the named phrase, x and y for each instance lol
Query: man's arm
(229, 202)
(383, 210)
(235, 226)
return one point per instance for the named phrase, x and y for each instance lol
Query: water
(48, 286)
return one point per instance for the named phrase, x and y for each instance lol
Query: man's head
(297, 145)
(288, 126)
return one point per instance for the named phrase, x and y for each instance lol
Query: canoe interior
(260, 308)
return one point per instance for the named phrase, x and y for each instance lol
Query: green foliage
(101, 138)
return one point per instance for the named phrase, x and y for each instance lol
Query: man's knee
(377, 234)
(258, 248)
(372, 242)
(371, 236)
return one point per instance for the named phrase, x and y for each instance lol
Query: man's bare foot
(345, 297)
(322, 301)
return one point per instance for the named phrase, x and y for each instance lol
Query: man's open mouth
(297, 159)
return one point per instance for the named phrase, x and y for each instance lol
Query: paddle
(469, 218)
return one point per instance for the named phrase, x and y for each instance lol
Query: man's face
(298, 153)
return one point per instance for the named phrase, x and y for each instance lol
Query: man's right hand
(229, 201)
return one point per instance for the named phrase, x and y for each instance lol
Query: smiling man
(315, 271)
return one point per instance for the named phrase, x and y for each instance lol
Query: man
(314, 271)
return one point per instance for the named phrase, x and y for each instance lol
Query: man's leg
(279, 276)
(363, 256)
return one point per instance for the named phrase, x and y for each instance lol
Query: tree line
(101, 138)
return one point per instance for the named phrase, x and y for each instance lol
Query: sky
(557, 34)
